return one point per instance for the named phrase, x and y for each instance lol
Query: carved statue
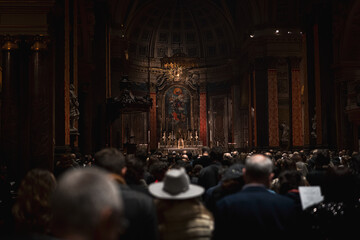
(313, 127)
(180, 143)
(74, 107)
(192, 80)
(284, 133)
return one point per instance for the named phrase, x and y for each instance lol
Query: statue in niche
(192, 80)
(284, 133)
(313, 126)
(74, 108)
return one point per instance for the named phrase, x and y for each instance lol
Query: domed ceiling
(164, 27)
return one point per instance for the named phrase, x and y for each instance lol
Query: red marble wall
(203, 118)
(297, 126)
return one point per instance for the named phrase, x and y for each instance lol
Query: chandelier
(177, 64)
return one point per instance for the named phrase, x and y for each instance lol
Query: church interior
(166, 75)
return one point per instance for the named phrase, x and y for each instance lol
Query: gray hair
(81, 198)
(258, 167)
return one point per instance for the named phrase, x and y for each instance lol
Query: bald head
(258, 169)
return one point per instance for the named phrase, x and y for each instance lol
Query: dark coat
(203, 161)
(256, 213)
(209, 176)
(140, 213)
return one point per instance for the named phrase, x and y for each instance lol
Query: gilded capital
(39, 43)
(9, 43)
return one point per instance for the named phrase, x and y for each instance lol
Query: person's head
(235, 153)
(258, 169)
(287, 163)
(175, 186)
(354, 164)
(227, 159)
(135, 170)
(216, 154)
(296, 157)
(151, 160)
(301, 167)
(111, 160)
(158, 170)
(321, 158)
(185, 158)
(190, 155)
(87, 205)
(32, 210)
(290, 179)
(233, 179)
(141, 153)
(196, 169)
(205, 151)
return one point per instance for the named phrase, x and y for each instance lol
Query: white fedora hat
(176, 185)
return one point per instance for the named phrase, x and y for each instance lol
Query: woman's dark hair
(135, 170)
(32, 211)
(290, 180)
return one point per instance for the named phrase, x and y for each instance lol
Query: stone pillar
(305, 95)
(236, 116)
(85, 106)
(297, 124)
(318, 107)
(261, 103)
(62, 83)
(40, 105)
(273, 110)
(251, 109)
(153, 121)
(74, 92)
(10, 104)
(101, 77)
(203, 115)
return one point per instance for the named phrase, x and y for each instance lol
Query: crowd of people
(180, 195)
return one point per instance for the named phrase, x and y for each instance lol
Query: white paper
(310, 195)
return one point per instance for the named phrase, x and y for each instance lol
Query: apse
(181, 54)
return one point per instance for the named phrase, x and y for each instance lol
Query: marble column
(10, 106)
(261, 103)
(40, 106)
(203, 115)
(318, 107)
(62, 83)
(297, 123)
(273, 109)
(153, 129)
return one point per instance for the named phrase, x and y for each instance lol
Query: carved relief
(74, 108)
(188, 78)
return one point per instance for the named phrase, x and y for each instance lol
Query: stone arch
(350, 47)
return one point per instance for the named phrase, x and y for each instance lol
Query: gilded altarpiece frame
(181, 93)
(170, 118)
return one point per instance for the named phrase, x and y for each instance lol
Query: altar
(168, 150)
(179, 142)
